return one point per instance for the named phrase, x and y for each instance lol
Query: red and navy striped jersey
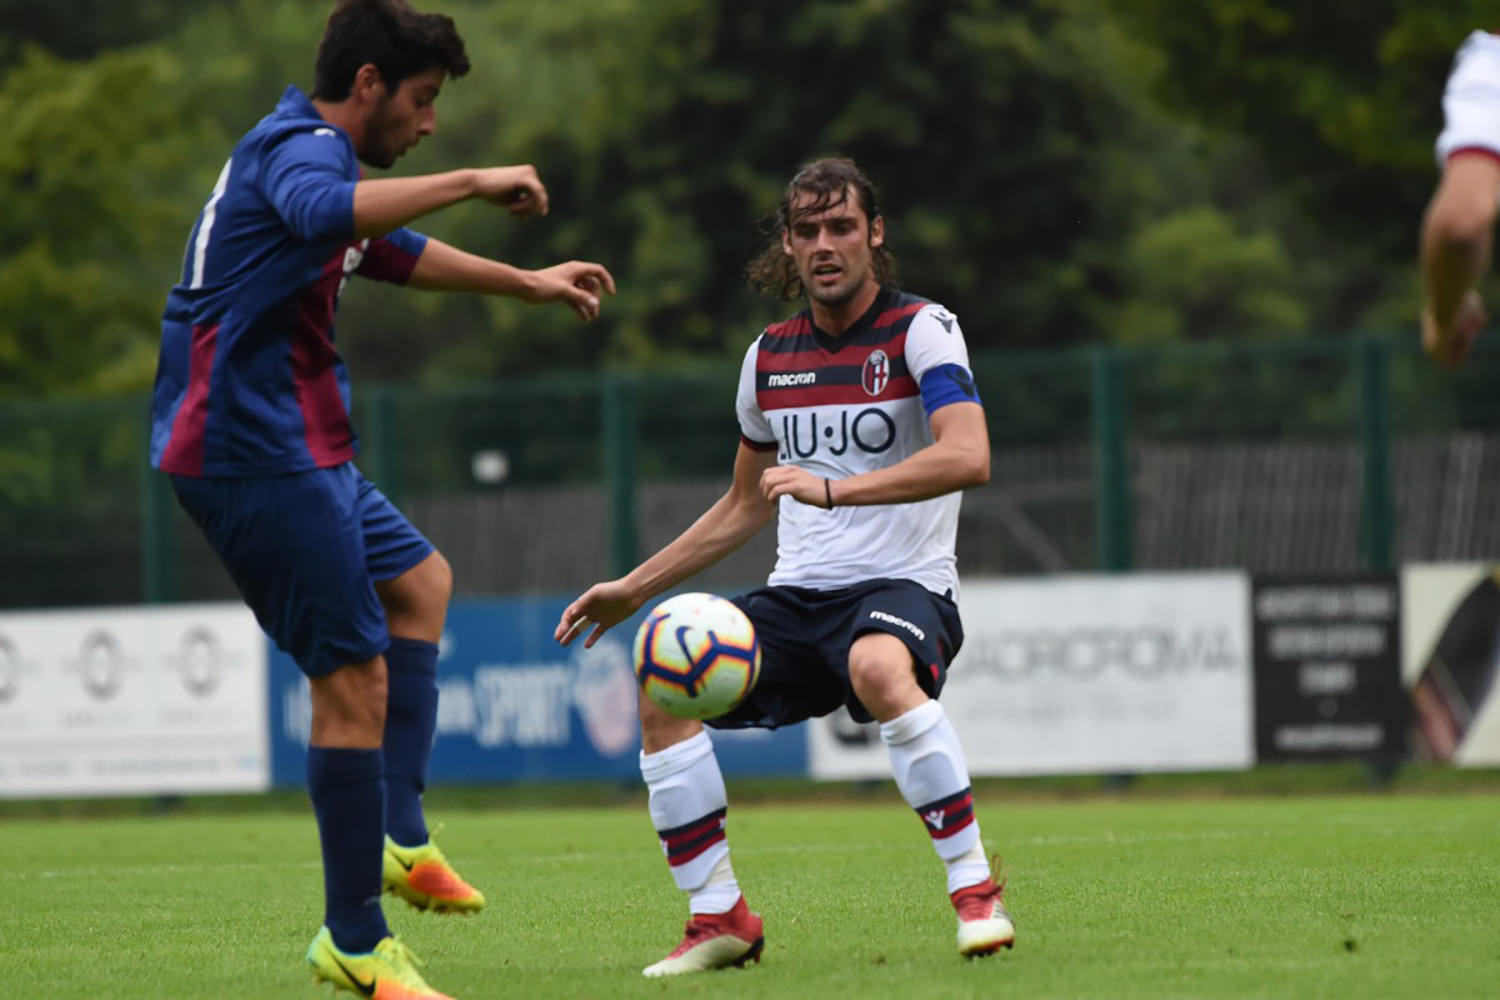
(248, 382)
(840, 406)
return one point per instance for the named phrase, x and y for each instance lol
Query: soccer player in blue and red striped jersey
(859, 428)
(250, 418)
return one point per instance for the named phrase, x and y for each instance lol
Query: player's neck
(835, 319)
(344, 115)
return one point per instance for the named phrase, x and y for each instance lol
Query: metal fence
(1310, 455)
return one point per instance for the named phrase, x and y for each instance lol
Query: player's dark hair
(829, 180)
(397, 38)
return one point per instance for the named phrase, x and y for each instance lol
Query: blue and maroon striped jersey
(248, 382)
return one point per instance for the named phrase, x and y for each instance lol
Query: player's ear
(877, 231)
(786, 241)
(368, 83)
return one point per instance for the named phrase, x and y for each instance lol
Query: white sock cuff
(910, 725)
(676, 758)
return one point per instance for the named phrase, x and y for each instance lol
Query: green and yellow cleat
(387, 973)
(422, 876)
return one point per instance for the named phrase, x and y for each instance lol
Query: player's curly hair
(400, 40)
(828, 179)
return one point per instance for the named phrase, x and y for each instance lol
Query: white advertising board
(1087, 674)
(129, 701)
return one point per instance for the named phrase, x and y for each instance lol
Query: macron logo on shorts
(881, 616)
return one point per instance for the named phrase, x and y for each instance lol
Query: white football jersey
(839, 406)
(1471, 99)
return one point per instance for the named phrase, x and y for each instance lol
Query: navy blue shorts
(805, 636)
(305, 551)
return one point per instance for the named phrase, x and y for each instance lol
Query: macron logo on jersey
(783, 381)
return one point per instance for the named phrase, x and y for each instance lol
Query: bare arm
(387, 203)
(443, 267)
(959, 457)
(1457, 238)
(724, 527)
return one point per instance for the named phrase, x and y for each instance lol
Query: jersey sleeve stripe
(755, 445)
(1453, 154)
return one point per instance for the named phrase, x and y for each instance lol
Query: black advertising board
(1327, 654)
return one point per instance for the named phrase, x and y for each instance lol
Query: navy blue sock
(410, 723)
(348, 796)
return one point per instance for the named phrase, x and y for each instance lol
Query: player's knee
(881, 677)
(349, 705)
(433, 586)
(417, 600)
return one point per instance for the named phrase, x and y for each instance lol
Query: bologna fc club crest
(877, 373)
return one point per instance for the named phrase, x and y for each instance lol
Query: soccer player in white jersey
(860, 425)
(1458, 228)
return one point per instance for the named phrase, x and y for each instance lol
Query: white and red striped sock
(934, 779)
(689, 808)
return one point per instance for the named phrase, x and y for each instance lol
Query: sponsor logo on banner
(10, 670)
(522, 705)
(1450, 660)
(1327, 672)
(1087, 674)
(513, 705)
(200, 661)
(133, 701)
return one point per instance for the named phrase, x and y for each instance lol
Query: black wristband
(828, 494)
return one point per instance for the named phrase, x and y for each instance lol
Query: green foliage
(91, 175)
(1060, 172)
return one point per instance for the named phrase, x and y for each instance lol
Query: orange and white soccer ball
(696, 656)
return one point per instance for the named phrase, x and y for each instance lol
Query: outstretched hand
(577, 283)
(519, 189)
(1449, 347)
(602, 607)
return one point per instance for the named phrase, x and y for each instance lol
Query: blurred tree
(91, 175)
(1059, 172)
(1319, 122)
(82, 28)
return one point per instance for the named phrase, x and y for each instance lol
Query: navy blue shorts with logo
(805, 637)
(305, 551)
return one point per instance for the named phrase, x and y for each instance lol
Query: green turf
(1347, 896)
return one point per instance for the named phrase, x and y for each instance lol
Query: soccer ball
(696, 656)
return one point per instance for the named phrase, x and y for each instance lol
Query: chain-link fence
(1322, 455)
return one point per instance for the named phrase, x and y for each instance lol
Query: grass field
(1348, 895)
